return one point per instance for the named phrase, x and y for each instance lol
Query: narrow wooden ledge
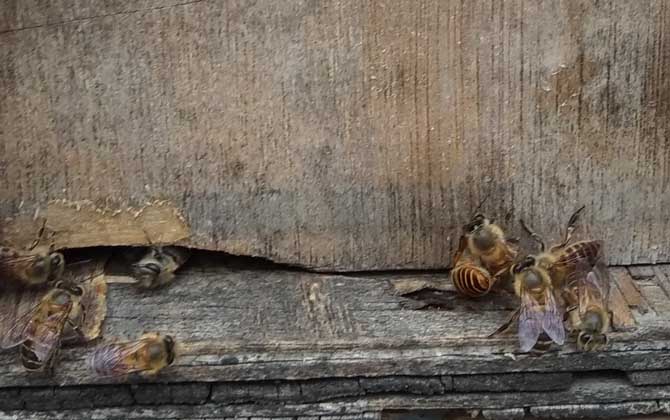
(250, 339)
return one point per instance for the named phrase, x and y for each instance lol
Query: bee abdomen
(471, 281)
(542, 346)
(28, 357)
(583, 251)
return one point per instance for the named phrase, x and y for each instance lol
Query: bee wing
(530, 322)
(11, 264)
(113, 360)
(462, 244)
(591, 279)
(17, 332)
(552, 318)
(46, 340)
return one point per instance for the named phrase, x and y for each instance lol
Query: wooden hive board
(340, 135)
(323, 342)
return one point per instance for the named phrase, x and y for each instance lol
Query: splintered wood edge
(81, 224)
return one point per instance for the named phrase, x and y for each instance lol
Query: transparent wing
(12, 264)
(116, 359)
(530, 322)
(46, 337)
(18, 331)
(552, 318)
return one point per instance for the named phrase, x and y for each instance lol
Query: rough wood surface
(586, 397)
(342, 135)
(268, 324)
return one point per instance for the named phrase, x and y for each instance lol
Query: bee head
(57, 265)
(170, 348)
(529, 261)
(477, 222)
(588, 341)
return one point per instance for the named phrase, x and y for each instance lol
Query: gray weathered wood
(596, 411)
(649, 377)
(341, 135)
(593, 396)
(267, 324)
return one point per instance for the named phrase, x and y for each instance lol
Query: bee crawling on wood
(483, 258)
(569, 278)
(146, 356)
(40, 331)
(157, 267)
(30, 268)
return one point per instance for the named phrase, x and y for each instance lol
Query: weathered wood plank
(587, 395)
(513, 382)
(342, 135)
(649, 377)
(268, 324)
(594, 411)
(627, 287)
(623, 317)
(24, 14)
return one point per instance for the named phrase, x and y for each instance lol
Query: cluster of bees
(57, 318)
(563, 287)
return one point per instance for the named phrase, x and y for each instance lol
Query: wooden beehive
(335, 140)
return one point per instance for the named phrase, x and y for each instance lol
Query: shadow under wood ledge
(263, 341)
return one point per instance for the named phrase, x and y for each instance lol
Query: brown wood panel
(246, 324)
(343, 135)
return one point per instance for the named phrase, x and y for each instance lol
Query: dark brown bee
(483, 258)
(39, 332)
(147, 356)
(157, 267)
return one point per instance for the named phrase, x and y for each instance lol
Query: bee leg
(504, 328)
(40, 233)
(613, 326)
(570, 229)
(533, 235)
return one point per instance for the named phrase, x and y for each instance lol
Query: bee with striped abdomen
(40, 331)
(146, 356)
(483, 258)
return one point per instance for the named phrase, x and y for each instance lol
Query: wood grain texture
(343, 135)
(266, 324)
(586, 397)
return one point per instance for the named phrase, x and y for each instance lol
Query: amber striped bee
(39, 332)
(157, 267)
(483, 258)
(146, 356)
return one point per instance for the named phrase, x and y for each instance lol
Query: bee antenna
(481, 203)
(533, 235)
(575, 216)
(78, 262)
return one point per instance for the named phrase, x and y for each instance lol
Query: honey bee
(540, 315)
(147, 356)
(566, 274)
(30, 269)
(587, 294)
(40, 330)
(483, 258)
(156, 268)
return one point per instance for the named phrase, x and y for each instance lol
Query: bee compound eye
(56, 259)
(77, 290)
